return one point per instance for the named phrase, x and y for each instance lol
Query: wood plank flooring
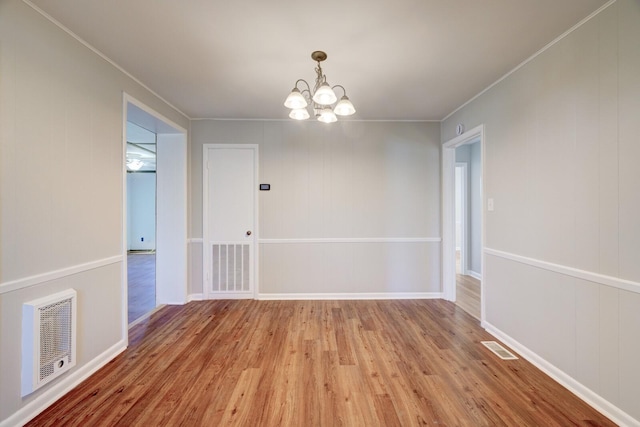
(141, 284)
(468, 294)
(468, 291)
(315, 363)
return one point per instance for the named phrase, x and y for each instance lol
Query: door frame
(464, 206)
(171, 235)
(448, 213)
(205, 227)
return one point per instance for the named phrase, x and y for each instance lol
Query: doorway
(463, 243)
(141, 221)
(230, 220)
(170, 267)
(468, 190)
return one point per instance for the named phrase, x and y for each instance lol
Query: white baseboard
(352, 296)
(63, 386)
(596, 401)
(474, 274)
(195, 297)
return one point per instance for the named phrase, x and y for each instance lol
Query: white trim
(62, 386)
(474, 274)
(195, 297)
(532, 57)
(352, 296)
(155, 114)
(464, 207)
(596, 401)
(195, 240)
(353, 240)
(614, 282)
(100, 54)
(26, 282)
(124, 273)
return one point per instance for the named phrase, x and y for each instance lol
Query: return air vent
(230, 267)
(499, 350)
(48, 339)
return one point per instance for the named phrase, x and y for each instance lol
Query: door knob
(248, 233)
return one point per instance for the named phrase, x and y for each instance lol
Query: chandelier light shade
(344, 107)
(135, 164)
(295, 99)
(299, 113)
(327, 115)
(324, 95)
(322, 99)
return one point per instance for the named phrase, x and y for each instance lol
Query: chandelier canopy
(321, 99)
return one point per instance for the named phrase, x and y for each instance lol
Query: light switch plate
(490, 205)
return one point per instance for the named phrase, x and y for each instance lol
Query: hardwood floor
(468, 294)
(468, 290)
(315, 363)
(141, 290)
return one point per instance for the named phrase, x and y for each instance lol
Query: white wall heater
(48, 339)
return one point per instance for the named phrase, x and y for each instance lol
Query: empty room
(349, 213)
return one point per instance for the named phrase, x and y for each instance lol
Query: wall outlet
(142, 239)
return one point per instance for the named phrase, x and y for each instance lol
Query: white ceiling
(400, 60)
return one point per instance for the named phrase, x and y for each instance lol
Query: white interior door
(229, 221)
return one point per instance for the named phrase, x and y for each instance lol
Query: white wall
(371, 190)
(562, 270)
(171, 251)
(141, 211)
(61, 218)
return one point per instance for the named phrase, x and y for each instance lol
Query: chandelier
(134, 164)
(321, 99)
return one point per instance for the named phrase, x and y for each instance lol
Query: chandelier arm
(308, 95)
(344, 91)
(308, 89)
(303, 81)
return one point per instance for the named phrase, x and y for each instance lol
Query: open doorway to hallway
(141, 221)
(468, 223)
(171, 276)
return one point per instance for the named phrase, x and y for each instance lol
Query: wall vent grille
(48, 339)
(499, 350)
(230, 268)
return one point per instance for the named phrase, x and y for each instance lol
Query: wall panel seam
(37, 279)
(615, 282)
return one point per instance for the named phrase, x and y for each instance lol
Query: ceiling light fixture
(321, 99)
(134, 164)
